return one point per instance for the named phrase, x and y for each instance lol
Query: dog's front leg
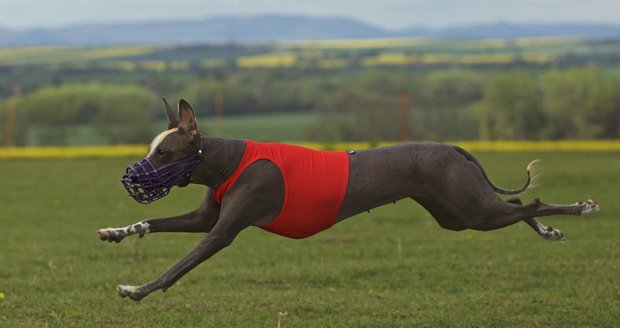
(205, 249)
(199, 220)
(188, 222)
(222, 235)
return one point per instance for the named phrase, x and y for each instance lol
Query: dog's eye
(161, 152)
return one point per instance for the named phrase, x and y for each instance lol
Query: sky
(390, 14)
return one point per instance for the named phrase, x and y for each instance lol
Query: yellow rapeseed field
(141, 150)
(270, 60)
(395, 58)
(55, 54)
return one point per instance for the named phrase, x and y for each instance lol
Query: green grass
(55, 272)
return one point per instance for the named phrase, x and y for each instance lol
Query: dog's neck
(220, 157)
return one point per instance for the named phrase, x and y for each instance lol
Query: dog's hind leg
(199, 220)
(441, 215)
(548, 233)
(511, 213)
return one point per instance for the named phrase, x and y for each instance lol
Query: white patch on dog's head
(160, 137)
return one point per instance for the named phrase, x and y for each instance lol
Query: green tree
(253, 93)
(359, 115)
(119, 113)
(510, 108)
(126, 114)
(441, 101)
(580, 103)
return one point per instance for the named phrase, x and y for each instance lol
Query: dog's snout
(130, 178)
(146, 183)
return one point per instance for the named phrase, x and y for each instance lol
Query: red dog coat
(315, 183)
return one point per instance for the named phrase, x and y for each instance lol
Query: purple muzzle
(147, 183)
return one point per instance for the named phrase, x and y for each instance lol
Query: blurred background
(93, 73)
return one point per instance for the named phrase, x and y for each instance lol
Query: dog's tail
(531, 177)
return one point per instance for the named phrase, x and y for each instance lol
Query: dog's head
(171, 158)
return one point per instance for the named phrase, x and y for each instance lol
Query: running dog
(297, 192)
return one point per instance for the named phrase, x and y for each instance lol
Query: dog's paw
(117, 234)
(589, 206)
(111, 234)
(133, 292)
(552, 234)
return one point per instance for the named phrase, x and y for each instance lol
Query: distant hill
(277, 28)
(509, 31)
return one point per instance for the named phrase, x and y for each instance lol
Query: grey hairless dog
(446, 180)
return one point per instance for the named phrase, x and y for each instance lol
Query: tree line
(579, 103)
(448, 104)
(119, 113)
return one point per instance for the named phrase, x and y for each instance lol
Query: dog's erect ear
(173, 122)
(188, 119)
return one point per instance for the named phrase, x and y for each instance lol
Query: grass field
(393, 267)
